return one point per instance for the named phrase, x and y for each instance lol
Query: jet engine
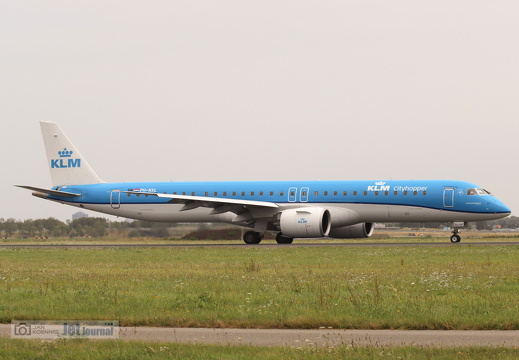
(305, 222)
(361, 230)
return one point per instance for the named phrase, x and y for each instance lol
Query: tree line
(84, 227)
(100, 227)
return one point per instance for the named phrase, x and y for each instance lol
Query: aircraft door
(448, 197)
(304, 194)
(115, 199)
(292, 194)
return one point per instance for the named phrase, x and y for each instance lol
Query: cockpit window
(477, 192)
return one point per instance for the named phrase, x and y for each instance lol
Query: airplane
(292, 209)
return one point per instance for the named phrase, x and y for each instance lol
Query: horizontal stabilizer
(49, 192)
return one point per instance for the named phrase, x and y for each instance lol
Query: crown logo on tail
(65, 153)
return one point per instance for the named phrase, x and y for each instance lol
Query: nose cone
(499, 207)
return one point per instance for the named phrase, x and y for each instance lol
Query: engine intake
(305, 222)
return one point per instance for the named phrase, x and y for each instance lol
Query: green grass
(84, 349)
(452, 287)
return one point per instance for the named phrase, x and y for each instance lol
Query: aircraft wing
(192, 202)
(49, 192)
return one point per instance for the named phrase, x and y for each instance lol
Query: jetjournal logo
(65, 160)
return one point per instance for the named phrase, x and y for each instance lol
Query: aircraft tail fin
(67, 166)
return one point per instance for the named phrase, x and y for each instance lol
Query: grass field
(84, 349)
(452, 287)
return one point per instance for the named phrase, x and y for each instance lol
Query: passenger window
(316, 193)
(224, 193)
(395, 193)
(425, 192)
(292, 193)
(252, 193)
(354, 193)
(272, 193)
(335, 193)
(281, 193)
(234, 193)
(243, 193)
(206, 194)
(345, 193)
(326, 193)
(303, 193)
(365, 193)
(376, 192)
(386, 192)
(405, 192)
(261, 193)
(415, 192)
(183, 193)
(193, 193)
(215, 194)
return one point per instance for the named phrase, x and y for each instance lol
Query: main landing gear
(254, 237)
(281, 239)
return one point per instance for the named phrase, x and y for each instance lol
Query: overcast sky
(260, 90)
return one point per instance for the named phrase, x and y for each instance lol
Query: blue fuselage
(389, 201)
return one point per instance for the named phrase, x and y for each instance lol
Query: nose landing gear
(455, 226)
(455, 238)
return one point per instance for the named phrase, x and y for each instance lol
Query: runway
(316, 338)
(301, 244)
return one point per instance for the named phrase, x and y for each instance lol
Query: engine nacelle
(356, 231)
(305, 222)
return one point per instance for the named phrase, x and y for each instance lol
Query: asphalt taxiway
(325, 337)
(317, 337)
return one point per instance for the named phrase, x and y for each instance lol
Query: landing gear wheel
(280, 239)
(455, 238)
(252, 237)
